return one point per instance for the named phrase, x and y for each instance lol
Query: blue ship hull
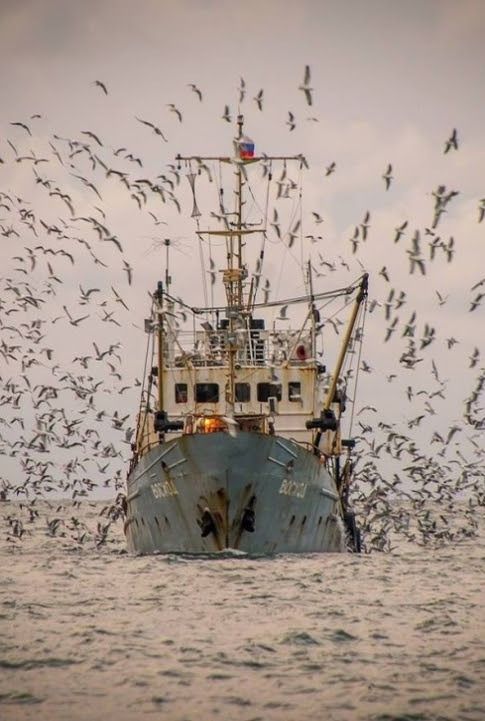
(206, 493)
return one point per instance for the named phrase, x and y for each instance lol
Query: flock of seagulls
(64, 425)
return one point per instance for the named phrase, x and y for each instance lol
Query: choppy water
(97, 634)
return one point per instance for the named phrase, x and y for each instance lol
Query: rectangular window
(181, 393)
(294, 391)
(206, 393)
(243, 392)
(265, 390)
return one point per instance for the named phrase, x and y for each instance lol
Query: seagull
(275, 223)
(118, 298)
(474, 358)
(155, 129)
(259, 99)
(226, 114)
(242, 90)
(390, 329)
(92, 135)
(452, 142)
(400, 231)
(71, 319)
(87, 184)
(282, 315)
(129, 271)
(476, 301)
(196, 90)
(365, 225)
(330, 169)
(101, 85)
(24, 126)
(306, 85)
(175, 110)
(481, 210)
(114, 240)
(291, 120)
(388, 176)
(384, 272)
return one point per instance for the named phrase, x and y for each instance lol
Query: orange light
(211, 425)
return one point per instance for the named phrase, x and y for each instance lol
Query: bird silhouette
(259, 99)
(387, 176)
(155, 129)
(226, 115)
(452, 142)
(305, 86)
(101, 85)
(195, 90)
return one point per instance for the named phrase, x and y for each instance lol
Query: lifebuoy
(301, 352)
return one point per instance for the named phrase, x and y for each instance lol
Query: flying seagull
(259, 99)
(101, 85)
(155, 129)
(22, 125)
(387, 177)
(227, 114)
(291, 120)
(452, 142)
(175, 110)
(196, 90)
(306, 85)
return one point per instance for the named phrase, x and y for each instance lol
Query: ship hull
(254, 493)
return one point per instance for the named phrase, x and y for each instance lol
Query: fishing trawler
(239, 443)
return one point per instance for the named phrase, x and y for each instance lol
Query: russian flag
(246, 148)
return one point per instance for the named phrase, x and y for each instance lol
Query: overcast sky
(390, 82)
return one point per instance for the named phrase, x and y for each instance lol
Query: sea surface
(90, 632)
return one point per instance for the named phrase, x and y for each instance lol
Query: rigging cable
(329, 294)
(260, 260)
(296, 211)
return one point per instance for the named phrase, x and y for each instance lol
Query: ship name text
(293, 488)
(163, 489)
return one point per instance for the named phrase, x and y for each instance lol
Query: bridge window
(265, 390)
(243, 392)
(294, 391)
(206, 393)
(181, 393)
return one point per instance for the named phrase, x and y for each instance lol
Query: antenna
(168, 279)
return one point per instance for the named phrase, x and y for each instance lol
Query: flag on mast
(246, 148)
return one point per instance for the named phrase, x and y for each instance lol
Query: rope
(257, 276)
(329, 294)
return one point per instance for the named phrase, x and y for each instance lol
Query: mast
(158, 295)
(327, 420)
(161, 423)
(168, 278)
(235, 272)
(362, 294)
(314, 312)
(233, 280)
